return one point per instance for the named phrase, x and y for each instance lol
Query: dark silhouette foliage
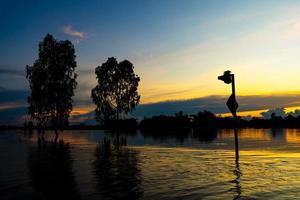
(52, 80)
(116, 91)
(163, 121)
(206, 119)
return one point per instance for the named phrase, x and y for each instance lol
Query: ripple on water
(149, 167)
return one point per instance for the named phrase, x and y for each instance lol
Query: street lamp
(232, 104)
(226, 77)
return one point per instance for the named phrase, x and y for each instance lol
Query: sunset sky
(178, 48)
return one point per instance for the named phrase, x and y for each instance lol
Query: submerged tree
(52, 80)
(116, 92)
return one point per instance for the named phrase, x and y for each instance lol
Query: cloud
(13, 106)
(12, 72)
(87, 118)
(12, 79)
(12, 103)
(13, 116)
(68, 30)
(168, 94)
(280, 112)
(10, 96)
(294, 113)
(217, 104)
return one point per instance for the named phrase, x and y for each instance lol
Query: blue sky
(125, 28)
(112, 27)
(178, 47)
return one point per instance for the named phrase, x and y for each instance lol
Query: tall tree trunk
(56, 132)
(118, 136)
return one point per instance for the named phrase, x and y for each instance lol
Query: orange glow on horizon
(81, 110)
(78, 111)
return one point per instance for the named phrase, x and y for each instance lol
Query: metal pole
(233, 91)
(236, 140)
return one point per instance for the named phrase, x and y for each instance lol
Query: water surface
(194, 164)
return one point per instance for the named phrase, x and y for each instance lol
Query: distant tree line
(210, 120)
(203, 119)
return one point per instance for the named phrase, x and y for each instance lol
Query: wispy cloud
(12, 105)
(216, 104)
(12, 72)
(68, 30)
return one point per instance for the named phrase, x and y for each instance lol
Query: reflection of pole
(236, 140)
(238, 187)
(228, 78)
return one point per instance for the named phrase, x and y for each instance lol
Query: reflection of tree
(278, 133)
(121, 132)
(205, 135)
(50, 170)
(116, 170)
(179, 134)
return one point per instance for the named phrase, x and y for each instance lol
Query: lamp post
(232, 104)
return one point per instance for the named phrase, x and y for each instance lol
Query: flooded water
(197, 164)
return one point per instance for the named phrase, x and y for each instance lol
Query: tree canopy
(52, 80)
(117, 89)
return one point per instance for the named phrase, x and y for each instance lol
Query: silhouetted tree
(204, 118)
(116, 91)
(167, 122)
(52, 80)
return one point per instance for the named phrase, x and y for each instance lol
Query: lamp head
(226, 77)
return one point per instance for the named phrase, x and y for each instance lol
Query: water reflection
(292, 136)
(277, 133)
(163, 135)
(237, 189)
(187, 165)
(237, 181)
(205, 135)
(116, 169)
(50, 170)
(123, 132)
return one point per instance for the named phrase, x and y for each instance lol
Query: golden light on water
(292, 136)
(246, 134)
(268, 157)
